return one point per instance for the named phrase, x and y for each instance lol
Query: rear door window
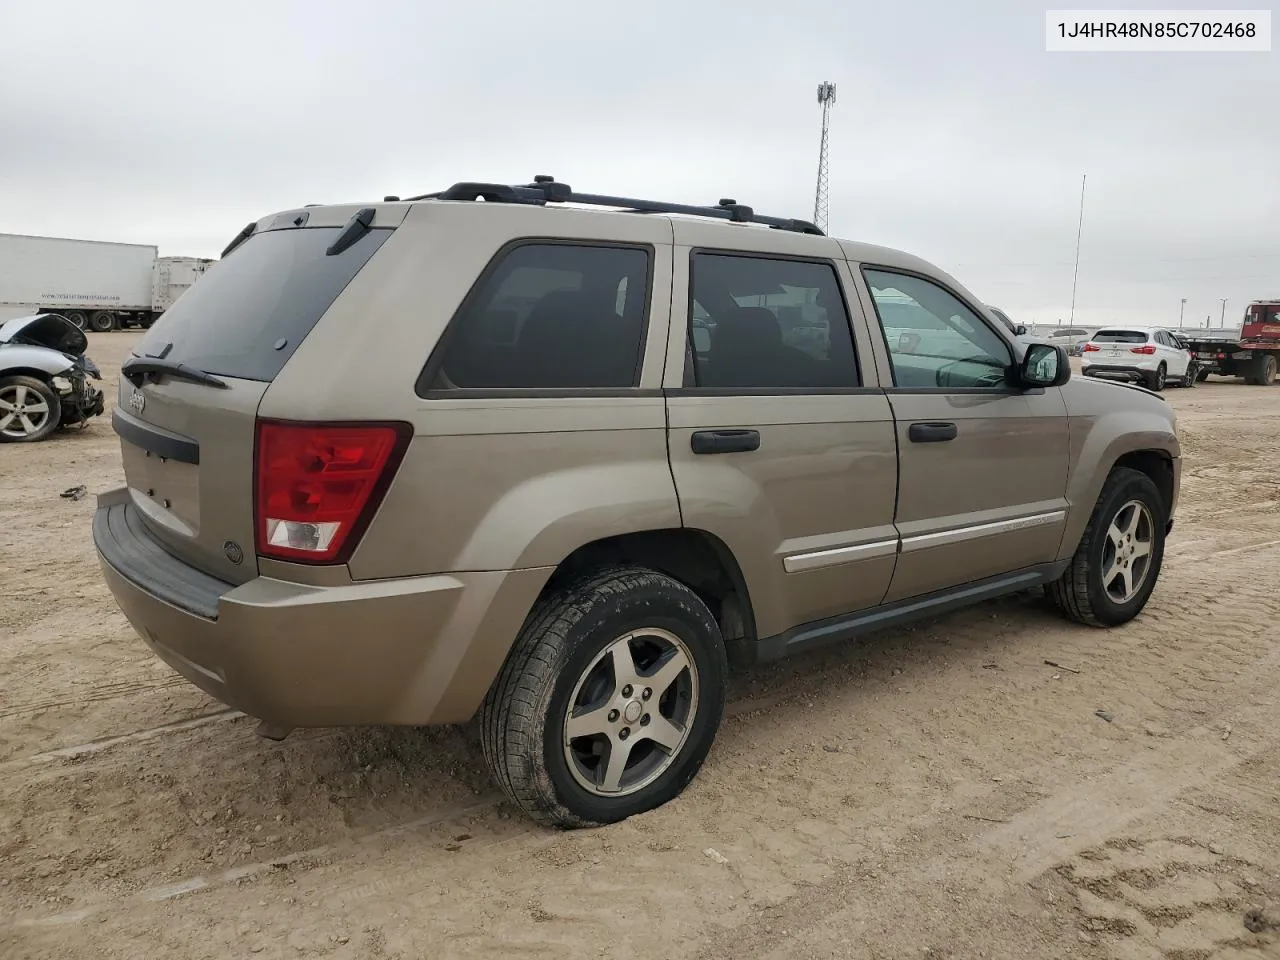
(1120, 336)
(248, 313)
(551, 316)
(759, 323)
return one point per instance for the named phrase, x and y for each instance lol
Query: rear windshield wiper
(135, 370)
(356, 228)
(240, 238)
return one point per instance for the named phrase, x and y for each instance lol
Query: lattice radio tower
(826, 97)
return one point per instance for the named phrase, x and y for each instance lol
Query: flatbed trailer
(1251, 352)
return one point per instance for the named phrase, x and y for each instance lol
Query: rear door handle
(931, 432)
(725, 441)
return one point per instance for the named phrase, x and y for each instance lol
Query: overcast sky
(955, 135)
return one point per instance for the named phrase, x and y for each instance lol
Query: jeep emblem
(137, 401)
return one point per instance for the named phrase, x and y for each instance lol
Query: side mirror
(1020, 330)
(1044, 365)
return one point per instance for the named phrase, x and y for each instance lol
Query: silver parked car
(44, 377)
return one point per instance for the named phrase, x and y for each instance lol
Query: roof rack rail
(546, 189)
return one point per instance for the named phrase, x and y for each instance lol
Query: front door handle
(931, 432)
(725, 441)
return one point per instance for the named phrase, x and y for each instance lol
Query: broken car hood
(50, 330)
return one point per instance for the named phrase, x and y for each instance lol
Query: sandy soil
(937, 792)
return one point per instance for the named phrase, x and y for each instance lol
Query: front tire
(29, 410)
(1118, 560)
(609, 700)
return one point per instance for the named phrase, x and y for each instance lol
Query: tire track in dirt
(96, 694)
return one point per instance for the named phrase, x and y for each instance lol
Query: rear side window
(1120, 336)
(248, 313)
(549, 316)
(760, 323)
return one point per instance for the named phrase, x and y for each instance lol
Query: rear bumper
(417, 650)
(1119, 372)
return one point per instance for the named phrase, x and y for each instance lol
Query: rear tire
(78, 318)
(1156, 381)
(1202, 376)
(102, 322)
(1262, 372)
(574, 659)
(1110, 577)
(29, 410)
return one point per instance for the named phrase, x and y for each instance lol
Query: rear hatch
(189, 393)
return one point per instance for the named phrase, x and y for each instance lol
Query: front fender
(1108, 421)
(15, 357)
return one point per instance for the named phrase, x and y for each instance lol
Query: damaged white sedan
(44, 378)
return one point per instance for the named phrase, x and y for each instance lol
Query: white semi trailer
(96, 285)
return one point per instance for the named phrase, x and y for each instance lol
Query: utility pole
(1075, 275)
(826, 97)
(1181, 309)
(1223, 321)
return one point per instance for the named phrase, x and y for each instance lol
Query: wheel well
(698, 559)
(26, 372)
(1156, 465)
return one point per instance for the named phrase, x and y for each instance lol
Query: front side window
(551, 316)
(759, 323)
(934, 340)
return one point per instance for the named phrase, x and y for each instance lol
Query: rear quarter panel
(488, 482)
(1107, 421)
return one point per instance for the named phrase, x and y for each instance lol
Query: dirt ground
(935, 792)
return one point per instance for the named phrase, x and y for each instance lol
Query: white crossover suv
(1151, 356)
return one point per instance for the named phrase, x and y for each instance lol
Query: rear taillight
(317, 486)
(1091, 348)
(1147, 348)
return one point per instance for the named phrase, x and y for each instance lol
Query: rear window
(248, 313)
(1120, 336)
(559, 316)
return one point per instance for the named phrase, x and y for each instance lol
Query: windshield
(249, 312)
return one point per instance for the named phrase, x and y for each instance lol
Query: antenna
(1075, 274)
(826, 97)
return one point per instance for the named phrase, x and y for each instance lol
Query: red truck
(1253, 352)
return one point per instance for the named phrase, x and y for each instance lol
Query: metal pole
(1181, 310)
(1075, 275)
(1223, 321)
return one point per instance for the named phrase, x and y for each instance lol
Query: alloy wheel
(630, 712)
(23, 411)
(1126, 552)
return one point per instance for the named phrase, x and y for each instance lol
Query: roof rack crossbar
(546, 190)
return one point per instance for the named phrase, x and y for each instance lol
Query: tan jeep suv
(556, 458)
